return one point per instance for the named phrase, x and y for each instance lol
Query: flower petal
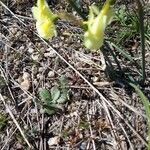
(94, 36)
(44, 20)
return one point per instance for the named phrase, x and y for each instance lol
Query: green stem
(107, 59)
(77, 9)
(114, 57)
(141, 25)
(146, 104)
(112, 2)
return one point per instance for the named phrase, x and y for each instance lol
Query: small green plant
(84, 124)
(129, 25)
(146, 104)
(94, 24)
(52, 100)
(2, 83)
(3, 121)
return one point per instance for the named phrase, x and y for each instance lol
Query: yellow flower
(94, 36)
(44, 20)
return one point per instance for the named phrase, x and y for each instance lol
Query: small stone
(36, 57)
(30, 50)
(25, 84)
(42, 111)
(95, 79)
(13, 30)
(53, 141)
(19, 146)
(56, 45)
(41, 69)
(26, 81)
(35, 82)
(83, 145)
(25, 76)
(51, 74)
(78, 41)
(50, 54)
(33, 111)
(22, 48)
(59, 71)
(19, 34)
(62, 38)
(19, 80)
(40, 77)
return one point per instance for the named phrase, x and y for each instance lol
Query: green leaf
(124, 53)
(64, 91)
(53, 99)
(84, 125)
(2, 82)
(3, 121)
(55, 94)
(63, 82)
(52, 108)
(77, 8)
(45, 96)
(146, 104)
(63, 98)
(49, 110)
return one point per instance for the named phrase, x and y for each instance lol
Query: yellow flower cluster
(97, 22)
(44, 20)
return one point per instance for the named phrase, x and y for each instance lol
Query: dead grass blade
(14, 120)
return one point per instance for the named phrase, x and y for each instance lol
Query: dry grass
(101, 114)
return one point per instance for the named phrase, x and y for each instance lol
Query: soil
(108, 116)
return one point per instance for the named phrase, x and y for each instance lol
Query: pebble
(56, 45)
(25, 76)
(13, 30)
(95, 79)
(36, 57)
(19, 146)
(25, 84)
(22, 48)
(18, 34)
(39, 76)
(53, 141)
(83, 145)
(33, 111)
(50, 53)
(51, 74)
(19, 80)
(35, 82)
(30, 50)
(41, 69)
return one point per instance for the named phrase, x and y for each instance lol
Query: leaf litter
(75, 122)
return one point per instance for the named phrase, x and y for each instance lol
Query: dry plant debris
(104, 116)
